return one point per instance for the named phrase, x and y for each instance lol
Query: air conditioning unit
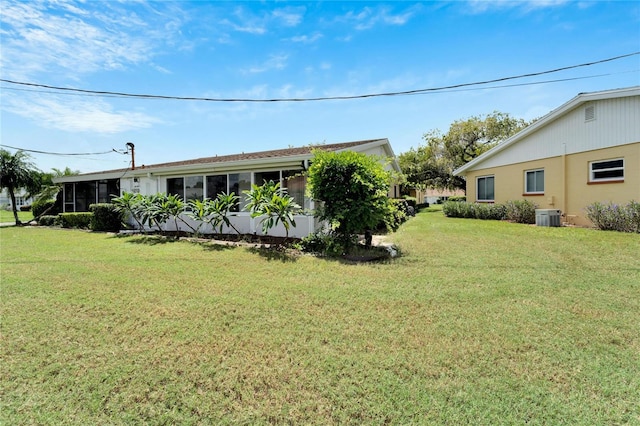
(547, 217)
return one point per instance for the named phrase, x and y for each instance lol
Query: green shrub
(106, 217)
(398, 211)
(75, 220)
(474, 210)
(40, 207)
(411, 201)
(25, 208)
(49, 220)
(458, 198)
(352, 188)
(328, 244)
(521, 211)
(614, 217)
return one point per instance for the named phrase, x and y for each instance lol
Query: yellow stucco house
(586, 150)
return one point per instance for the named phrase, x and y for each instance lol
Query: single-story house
(206, 177)
(21, 195)
(585, 151)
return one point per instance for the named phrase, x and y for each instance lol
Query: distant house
(434, 195)
(22, 199)
(586, 150)
(206, 177)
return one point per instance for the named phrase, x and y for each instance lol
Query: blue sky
(261, 50)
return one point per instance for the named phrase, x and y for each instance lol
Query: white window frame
(478, 192)
(592, 172)
(526, 188)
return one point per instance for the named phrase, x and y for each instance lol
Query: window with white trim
(607, 170)
(485, 188)
(534, 181)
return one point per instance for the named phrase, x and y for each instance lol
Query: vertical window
(607, 170)
(216, 184)
(69, 203)
(485, 191)
(175, 186)
(193, 187)
(295, 183)
(239, 182)
(534, 182)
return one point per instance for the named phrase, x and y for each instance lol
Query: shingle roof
(272, 154)
(278, 153)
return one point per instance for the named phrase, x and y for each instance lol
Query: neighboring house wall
(558, 151)
(21, 199)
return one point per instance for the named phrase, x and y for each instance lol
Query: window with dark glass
(534, 182)
(216, 184)
(261, 177)
(606, 170)
(175, 186)
(69, 205)
(485, 188)
(238, 183)
(194, 187)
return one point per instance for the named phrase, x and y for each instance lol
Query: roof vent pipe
(131, 147)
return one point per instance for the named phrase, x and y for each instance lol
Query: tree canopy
(353, 190)
(432, 164)
(18, 171)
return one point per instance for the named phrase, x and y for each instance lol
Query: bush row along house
(585, 151)
(206, 177)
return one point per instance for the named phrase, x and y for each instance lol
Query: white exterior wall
(617, 122)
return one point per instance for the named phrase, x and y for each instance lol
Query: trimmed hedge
(474, 210)
(49, 220)
(105, 218)
(521, 211)
(75, 220)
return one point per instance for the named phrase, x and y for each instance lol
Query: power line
(533, 83)
(326, 98)
(63, 154)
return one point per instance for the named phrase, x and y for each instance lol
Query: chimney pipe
(133, 158)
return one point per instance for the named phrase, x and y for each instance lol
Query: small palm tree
(17, 171)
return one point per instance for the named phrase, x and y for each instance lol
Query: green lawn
(6, 216)
(479, 322)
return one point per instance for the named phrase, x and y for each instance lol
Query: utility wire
(326, 98)
(533, 83)
(64, 154)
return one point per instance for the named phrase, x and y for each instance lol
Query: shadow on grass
(275, 254)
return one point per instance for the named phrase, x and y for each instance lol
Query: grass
(479, 322)
(6, 216)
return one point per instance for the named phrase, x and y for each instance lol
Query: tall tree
(432, 164)
(17, 171)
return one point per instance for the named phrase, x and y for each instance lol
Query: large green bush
(521, 211)
(474, 210)
(106, 217)
(615, 217)
(75, 220)
(40, 207)
(352, 189)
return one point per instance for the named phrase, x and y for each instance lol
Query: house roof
(250, 158)
(578, 100)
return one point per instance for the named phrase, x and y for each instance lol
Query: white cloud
(306, 39)
(67, 39)
(290, 17)
(73, 115)
(275, 62)
(481, 6)
(369, 17)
